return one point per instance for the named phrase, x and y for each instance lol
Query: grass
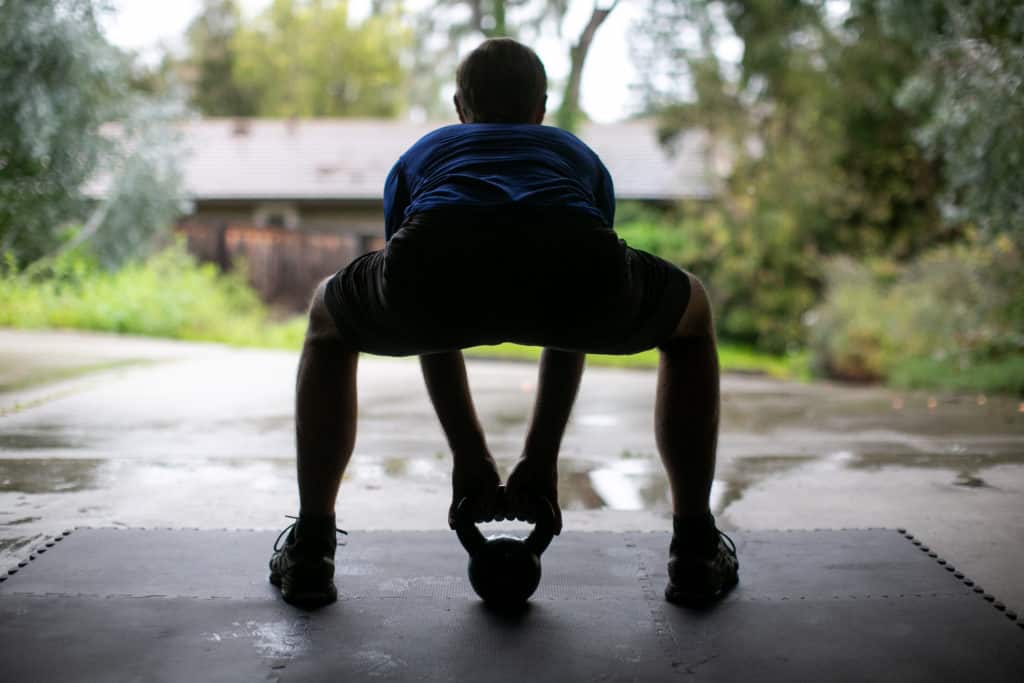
(1003, 376)
(733, 358)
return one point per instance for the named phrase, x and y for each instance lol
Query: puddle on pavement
(970, 481)
(877, 429)
(965, 466)
(633, 482)
(872, 430)
(38, 475)
(22, 520)
(625, 484)
(742, 473)
(19, 371)
(39, 437)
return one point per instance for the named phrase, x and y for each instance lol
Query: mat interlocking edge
(189, 605)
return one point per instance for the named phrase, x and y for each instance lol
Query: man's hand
(531, 480)
(478, 480)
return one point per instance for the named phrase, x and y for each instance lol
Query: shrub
(948, 318)
(167, 295)
(760, 283)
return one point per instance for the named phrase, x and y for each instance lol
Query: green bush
(760, 283)
(167, 295)
(673, 243)
(849, 330)
(951, 318)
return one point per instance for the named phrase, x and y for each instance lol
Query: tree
(823, 159)
(448, 26)
(211, 61)
(569, 111)
(57, 76)
(304, 58)
(969, 91)
(142, 184)
(501, 18)
(61, 85)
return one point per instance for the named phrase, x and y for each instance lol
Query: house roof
(350, 158)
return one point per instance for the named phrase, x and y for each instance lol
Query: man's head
(501, 81)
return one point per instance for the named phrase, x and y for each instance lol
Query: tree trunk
(500, 29)
(569, 111)
(480, 17)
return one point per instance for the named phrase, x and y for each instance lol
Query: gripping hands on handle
(529, 484)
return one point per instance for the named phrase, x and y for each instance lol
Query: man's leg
(325, 411)
(702, 564)
(325, 426)
(687, 405)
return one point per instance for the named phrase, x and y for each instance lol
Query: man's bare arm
(536, 473)
(474, 473)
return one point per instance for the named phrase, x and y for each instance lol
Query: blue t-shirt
(500, 166)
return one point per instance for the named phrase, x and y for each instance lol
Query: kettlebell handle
(544, 530)
(473, 540)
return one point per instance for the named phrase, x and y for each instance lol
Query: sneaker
(700, 574)
(303, 566)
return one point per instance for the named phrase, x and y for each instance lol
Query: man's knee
(696, 320)
(321, 327)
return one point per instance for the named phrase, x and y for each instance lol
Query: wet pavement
(98, 430)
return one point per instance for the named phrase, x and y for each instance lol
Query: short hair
(501, 81)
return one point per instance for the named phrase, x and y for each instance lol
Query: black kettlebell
(504, 570)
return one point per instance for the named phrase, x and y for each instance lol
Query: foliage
(447, 28)
(167, 295)
(969, 90)
(670, 242)
(305, 58)
(518, 19)
(950, 312)
(753, 279)
(212, 58)
(61, 84)
(57, 77)
(841, 138)
(142, 188)
(308, 58)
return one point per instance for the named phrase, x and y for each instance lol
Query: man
(500, 229)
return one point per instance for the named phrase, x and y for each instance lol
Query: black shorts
(459, 278)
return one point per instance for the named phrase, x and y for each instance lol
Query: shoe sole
(678, 596)
(317, 597)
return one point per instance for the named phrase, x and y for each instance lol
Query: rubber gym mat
(190, 605)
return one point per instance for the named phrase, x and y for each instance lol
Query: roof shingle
(350, 158)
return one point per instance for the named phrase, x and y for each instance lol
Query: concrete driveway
(99, 430)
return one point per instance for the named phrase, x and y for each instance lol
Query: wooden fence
(283, 266)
